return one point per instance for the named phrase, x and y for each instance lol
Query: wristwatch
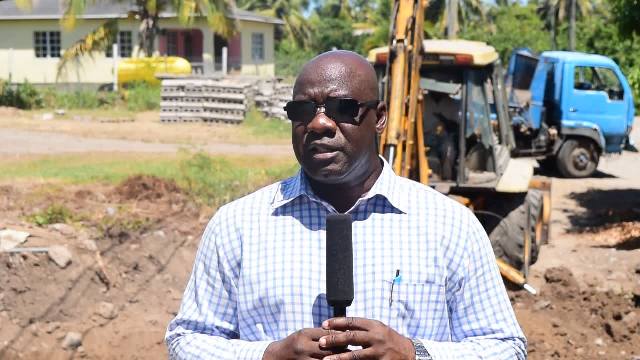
(421, 351)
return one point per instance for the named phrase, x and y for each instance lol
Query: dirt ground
(133, 245)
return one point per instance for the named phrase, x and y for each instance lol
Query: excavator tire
(507, 237)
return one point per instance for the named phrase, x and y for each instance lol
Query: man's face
(331, 152)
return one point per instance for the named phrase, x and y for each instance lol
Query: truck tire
(507, 234)
(578, 158)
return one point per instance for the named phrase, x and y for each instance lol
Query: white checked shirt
(259, 274)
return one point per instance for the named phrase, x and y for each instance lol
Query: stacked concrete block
(206, 100)
(271, 97)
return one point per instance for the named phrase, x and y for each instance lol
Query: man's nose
(321, 123)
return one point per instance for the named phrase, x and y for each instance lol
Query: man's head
(334, 151)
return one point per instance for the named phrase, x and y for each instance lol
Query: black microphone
(339, 263)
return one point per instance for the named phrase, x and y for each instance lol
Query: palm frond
(97, 40)
(216, 12)
(73, 9)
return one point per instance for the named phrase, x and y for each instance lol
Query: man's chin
(330, 174)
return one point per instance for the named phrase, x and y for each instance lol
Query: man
(257, 290)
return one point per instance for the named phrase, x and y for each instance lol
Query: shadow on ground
(598, 207)
(543, 171)
(612, 215)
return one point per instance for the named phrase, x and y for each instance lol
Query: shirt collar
(385, 186)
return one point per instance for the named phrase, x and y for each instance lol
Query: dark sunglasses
(340, 110)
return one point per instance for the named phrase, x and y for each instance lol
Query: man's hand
(302, 344)
(378, 341)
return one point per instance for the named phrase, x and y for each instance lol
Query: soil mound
(146, 187)
(568, 322)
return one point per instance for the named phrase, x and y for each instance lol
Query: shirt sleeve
(206, 325)
(483, 324)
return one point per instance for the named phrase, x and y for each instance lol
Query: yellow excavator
(449, 128)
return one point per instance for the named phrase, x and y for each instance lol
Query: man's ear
(381, 117)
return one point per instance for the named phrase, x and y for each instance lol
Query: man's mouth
(322, 151)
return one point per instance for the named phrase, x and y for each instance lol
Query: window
(46, 43)
(598, 79)
(125, 45)
(257, 46)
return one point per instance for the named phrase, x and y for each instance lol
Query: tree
(509, 27)
(296, 24)
(627, 15)
(555, 12)
(449, 15)
(147, 11)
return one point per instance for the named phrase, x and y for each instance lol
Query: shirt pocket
(416, 309)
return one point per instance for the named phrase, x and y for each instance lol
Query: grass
(210, 180)
(256, 124)
(87, 168)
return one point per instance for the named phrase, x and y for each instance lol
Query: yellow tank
(147, 69)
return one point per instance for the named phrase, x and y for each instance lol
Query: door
(543, 94)
(596, 95)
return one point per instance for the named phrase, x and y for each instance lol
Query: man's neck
(343, 196)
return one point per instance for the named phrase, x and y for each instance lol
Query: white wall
(18, 35)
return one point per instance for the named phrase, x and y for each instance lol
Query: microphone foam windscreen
(339, 260)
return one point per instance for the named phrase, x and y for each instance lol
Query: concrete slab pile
(206, 100)
(271, 97)
(222, 100)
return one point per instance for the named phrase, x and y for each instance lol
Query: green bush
(53, 214)
(634, 81)
(24, 96)
(290, 58)
(142, 96)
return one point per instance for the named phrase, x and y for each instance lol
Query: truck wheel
(578, 158)
(507, 237)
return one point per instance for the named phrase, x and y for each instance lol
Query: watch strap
(421, 351)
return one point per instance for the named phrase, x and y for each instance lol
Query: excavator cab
(465, 122)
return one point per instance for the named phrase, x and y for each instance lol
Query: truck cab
(579, 107)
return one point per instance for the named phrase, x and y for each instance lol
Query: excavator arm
(403, 139)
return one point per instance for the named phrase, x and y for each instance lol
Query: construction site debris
(72, 340)
(9, 238)
(60, 255)
(146, 187)
(63, 229)
(90, 245)
(52, 327)
(20, 250)
(107, 310)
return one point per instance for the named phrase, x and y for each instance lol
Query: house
(31, 42)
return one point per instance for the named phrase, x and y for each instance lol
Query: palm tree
(553, 12)
(290, 11)
(448, 15)
(147, 12)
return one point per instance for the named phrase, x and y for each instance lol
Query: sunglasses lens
(302, 111)
(342, 109)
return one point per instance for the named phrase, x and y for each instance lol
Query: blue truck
(568, 109)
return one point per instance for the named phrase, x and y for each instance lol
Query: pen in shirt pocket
(396, 280)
